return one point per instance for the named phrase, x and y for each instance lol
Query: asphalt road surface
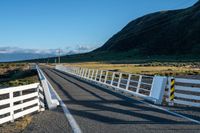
(99, 110)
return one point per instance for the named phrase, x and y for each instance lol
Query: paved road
(49, 121)
(100, 110)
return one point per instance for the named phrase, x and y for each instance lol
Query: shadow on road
(93, 108)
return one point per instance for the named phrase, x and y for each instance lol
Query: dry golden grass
(20, 124)
(141, 69)
(4, 67)
(17, 126)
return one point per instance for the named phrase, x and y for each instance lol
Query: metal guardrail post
(119, 80)
(92, 74)
(88, 74)
(100, 75)
(85, 74)
(128, 81)
(113, 76)
(96, 75)
(82, 74)
(79, 70)
(106, 77)
(139, 83)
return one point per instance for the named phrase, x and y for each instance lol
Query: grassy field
(5, 67)
(156, 68)
(15, 74)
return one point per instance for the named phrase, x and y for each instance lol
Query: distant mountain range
(9, 54)
(22, 56)
(174, 35)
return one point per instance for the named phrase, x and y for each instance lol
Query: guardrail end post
(158, 89)
(171, 83)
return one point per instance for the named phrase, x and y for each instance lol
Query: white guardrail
(148, 87)
(16, 102)
(186, 92)
(50, 96)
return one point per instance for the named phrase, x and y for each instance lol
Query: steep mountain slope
(162, 33)
(162, 36)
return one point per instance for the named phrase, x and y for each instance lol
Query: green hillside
(162, 33)
(161, 36)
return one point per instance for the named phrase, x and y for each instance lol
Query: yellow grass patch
(139, 69)
(17, 126)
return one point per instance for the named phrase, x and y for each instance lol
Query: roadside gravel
(49, 121)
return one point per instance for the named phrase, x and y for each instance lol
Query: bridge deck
(100, 110)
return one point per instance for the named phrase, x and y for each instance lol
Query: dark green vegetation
(161, 36)
(162, 33)
(16, 74)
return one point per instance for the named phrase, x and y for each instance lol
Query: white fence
(148, 87)
(15, 102)
(50, 97)
(187, 92)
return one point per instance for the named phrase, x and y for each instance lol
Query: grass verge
(155, 68)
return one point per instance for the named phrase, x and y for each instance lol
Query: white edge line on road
(75, 127)
(155, 106)
(166, 110)
(170, 112)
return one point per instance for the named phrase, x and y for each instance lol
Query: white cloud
(84, 48)
(66, 50)
(16, 53)
(10, 50)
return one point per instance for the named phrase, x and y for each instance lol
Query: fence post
(11, 106)
(20, 93)
(39, 105)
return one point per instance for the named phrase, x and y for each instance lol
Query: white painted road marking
(157, 107)
(170, 112)
(75, 127)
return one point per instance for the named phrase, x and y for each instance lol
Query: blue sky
(71, 24)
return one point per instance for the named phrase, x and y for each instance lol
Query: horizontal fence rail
(186, 92)
(143, 86)
(16, 102)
